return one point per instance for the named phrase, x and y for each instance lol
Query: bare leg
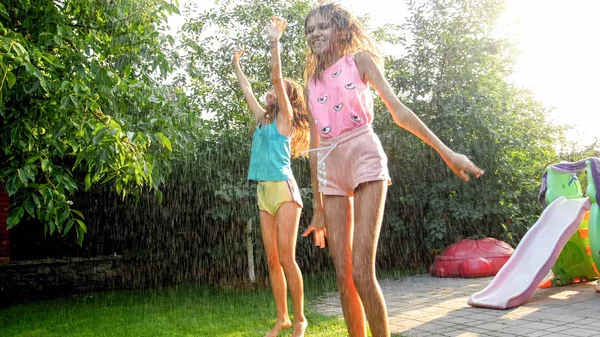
(369, 202)
(288, 217)
(269, 235)
(338, 221)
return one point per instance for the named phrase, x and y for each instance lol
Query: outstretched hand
(463, 166)
(276, 28)
(317, 228)
(237, 54)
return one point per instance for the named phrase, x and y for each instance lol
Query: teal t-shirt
(270, 155)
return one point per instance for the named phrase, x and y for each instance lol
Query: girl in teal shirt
(281, 134)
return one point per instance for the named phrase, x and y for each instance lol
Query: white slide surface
(535, 255)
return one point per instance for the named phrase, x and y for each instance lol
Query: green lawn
(176, 311)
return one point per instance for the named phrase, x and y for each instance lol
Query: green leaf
(60, 132)
(15, 216)
(62, 217)
(64, 102)
(30, 171)
(156, 176)
(45, 192)
(51, 225)
(36, 200)
(41, 78)
(164, 140)
(49, 208)
(68, 227)
(17, 47)
(148, 169)
(14, 133)
(99, 135)
(79, 214)
(159, 196)
(23, 176)
(25, 4)
(80, 234)
(12, 185)
(82, 229)
(33, 88)
(30, 68)
(11, 79)
(87, 182)
(33, 158)
(3, 11)
(29, 206)
(69, 183)
(52, 60)
(46, 166)
(60, 30)
(115, 125)
(80, 157)
(74, 100)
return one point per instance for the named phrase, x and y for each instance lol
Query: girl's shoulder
(363, 57)
(365, 63)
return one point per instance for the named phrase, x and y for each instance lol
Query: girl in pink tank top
(347, 160)
(342, 102)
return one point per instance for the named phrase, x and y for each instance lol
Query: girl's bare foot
(299, 328)
(279, 325)
(598, 287)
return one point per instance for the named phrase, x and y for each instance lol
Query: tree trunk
(4, 234)
(250, 249)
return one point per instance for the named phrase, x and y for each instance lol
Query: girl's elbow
(399, 118)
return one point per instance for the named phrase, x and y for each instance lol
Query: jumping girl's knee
(287, 261)
(273, 261)
(363, 277)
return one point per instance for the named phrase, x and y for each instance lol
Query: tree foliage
(79, 96)
(454, 75)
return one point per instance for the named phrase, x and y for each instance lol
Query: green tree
(81, 102)
(454, 75)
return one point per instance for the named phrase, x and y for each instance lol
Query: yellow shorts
(272, 194)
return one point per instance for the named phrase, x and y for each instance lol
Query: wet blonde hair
(301, 136)
(350, 32)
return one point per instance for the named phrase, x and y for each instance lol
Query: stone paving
(425, 306)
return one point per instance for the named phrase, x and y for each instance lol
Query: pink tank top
(340, 101)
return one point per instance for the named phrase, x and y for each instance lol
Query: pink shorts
(346, 161)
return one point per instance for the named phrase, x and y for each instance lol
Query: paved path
(427, 306)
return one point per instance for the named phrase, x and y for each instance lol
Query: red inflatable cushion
(472, 258)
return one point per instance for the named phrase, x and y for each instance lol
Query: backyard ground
(426, 306)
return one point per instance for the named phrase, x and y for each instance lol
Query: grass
(175, 311)
(182, 311)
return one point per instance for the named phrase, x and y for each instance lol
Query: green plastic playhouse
(580, 256)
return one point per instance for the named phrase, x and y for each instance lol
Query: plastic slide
(535, 255)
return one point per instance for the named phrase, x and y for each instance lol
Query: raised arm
(407, 119)
(255, 107)
(284, 121)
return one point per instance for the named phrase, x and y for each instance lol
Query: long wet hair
(301, 136)
(351, 34)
